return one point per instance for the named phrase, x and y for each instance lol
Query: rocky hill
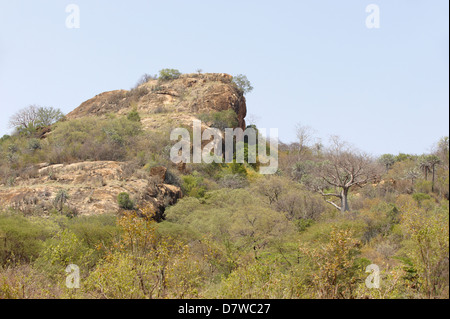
(92, 187)
(183, 98)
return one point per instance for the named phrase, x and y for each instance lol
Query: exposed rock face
(158, 173)
(189, 94)
(92, 188)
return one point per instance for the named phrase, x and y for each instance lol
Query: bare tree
(144, 79)
(343, 169)
(412, 174)
(25, 118)
(305, 136)
(442, 151)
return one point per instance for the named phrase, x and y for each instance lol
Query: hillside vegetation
(97, 189)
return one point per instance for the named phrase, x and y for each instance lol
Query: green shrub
(124, 201)
(303, 224)
(193, 185)
(34, 144)
(21, 238)
(62, 250)
(419, 197)
(134, 116)
(169, 74)
(221, 120)
(94, 230)
(423, 186)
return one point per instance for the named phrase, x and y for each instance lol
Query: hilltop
(183, 97)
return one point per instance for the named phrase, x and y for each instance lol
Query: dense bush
(193, 185)
(134, 116)
(235, 233)
(92, 139)
(220, 119)
(168, 74)
(124, 201)
(21, 238)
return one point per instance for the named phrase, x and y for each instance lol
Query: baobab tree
(25, 118)
(343, 169)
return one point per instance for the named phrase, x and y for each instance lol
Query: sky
(317, 63)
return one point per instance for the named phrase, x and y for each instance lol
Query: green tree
(387, 160)
(242, 83)
(47, 116)
(169, 74)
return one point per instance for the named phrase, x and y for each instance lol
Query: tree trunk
(344, 200)
(432, 181)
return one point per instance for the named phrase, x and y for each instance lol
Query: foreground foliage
(236, 233)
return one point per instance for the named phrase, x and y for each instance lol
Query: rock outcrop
(190, 94)
(92, 188)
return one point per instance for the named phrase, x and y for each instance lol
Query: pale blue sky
(384, 90)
